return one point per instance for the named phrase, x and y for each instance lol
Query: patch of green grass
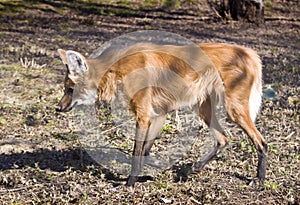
(11, 68)
(123, 12)
(274, 148)
(123, 2)
(246, 146)
(271, 185)
(148, 27)
(85, 197)
(149, 3)
(125, 145)
(102, 12)
(64, 136)
(172, 3)
(268, 3)
(3, 120)
(64, 26)
(168, 128)
(64, 39)
(268, 6)
(267, 9)
(57, 62)
(2, 35)
(11, 7)
(164, 185)
(243, 143)
(274, 49)
(8, 7)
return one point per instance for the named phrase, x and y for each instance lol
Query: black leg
(262, 163)
(137, 158)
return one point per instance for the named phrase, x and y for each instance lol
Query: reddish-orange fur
(157, 82)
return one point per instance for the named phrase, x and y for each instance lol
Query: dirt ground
(40, 156)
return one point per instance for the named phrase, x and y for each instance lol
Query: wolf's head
(79, 87)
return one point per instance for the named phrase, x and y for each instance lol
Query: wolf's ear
(77, 64)
(63, 56)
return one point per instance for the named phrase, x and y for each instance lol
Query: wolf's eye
(70, 91)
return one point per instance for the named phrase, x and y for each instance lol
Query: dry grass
(41, 159)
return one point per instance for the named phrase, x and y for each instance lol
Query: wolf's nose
(58, 108)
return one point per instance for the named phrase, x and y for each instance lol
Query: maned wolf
(157, 81)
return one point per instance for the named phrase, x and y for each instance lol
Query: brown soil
(40, 156)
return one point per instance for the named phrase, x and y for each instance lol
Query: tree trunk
(235, 8)
(254, 11)
(250, 10)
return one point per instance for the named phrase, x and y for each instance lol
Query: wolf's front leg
(138, 157)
